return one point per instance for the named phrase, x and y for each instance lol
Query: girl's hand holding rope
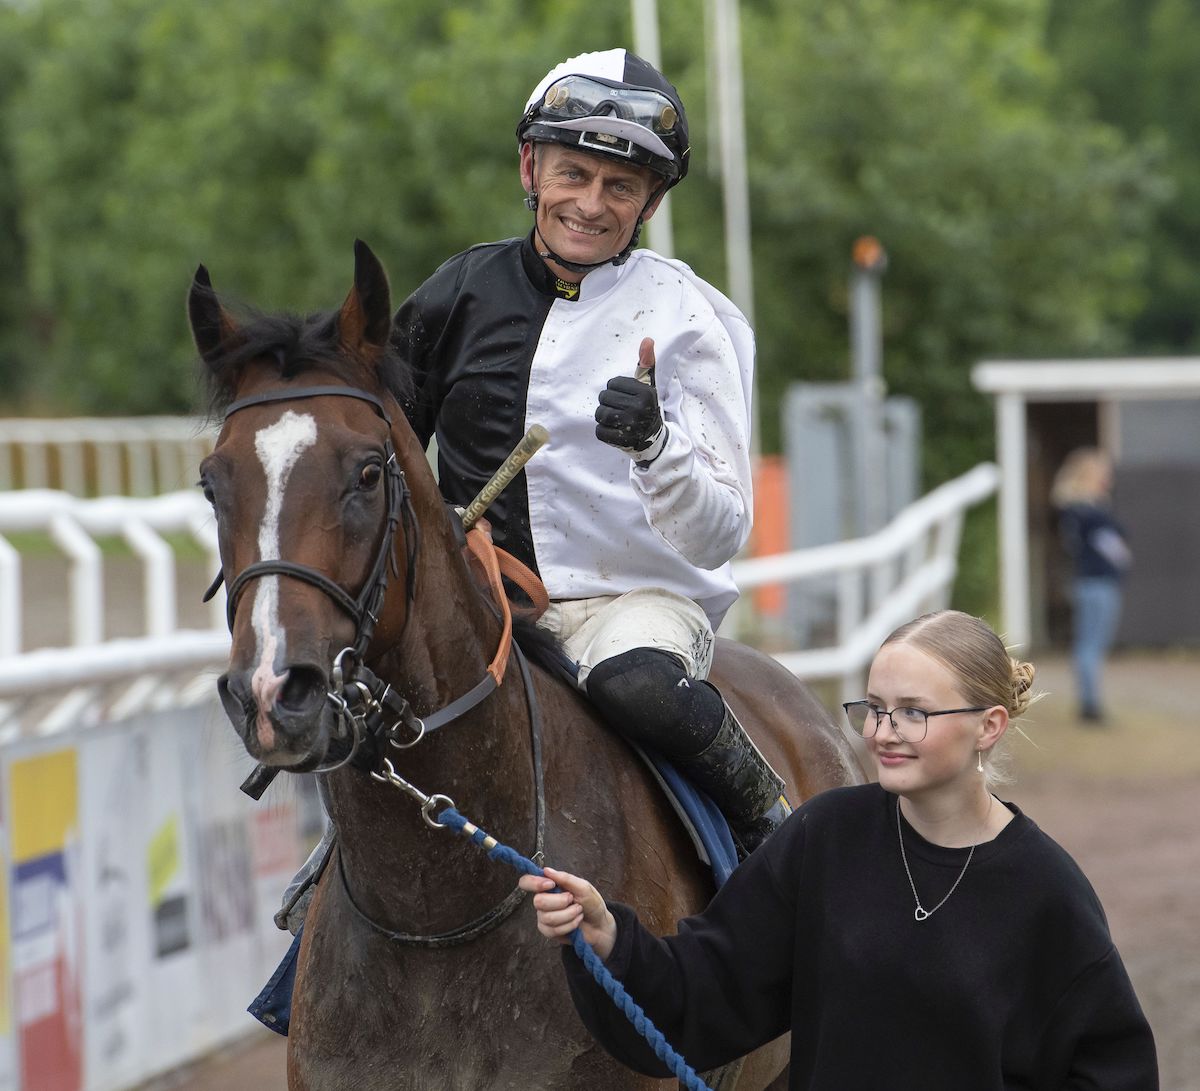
(577, 904)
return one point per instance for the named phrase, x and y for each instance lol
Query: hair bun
(1022, 687)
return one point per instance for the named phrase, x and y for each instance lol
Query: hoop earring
(979, 760)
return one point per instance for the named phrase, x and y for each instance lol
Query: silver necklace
(921, 913)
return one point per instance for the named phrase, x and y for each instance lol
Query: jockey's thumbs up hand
(576, 904)
(628, 416)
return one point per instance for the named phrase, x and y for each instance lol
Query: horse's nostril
(304, 688)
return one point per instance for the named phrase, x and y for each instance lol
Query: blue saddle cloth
(704, 822)
(273, 1006)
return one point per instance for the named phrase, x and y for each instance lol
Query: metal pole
(660, 233)
(727, 48)
(866, 355)
(1014, 528)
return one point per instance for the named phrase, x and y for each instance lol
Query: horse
(347, 581)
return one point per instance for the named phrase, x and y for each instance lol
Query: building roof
(1085, 380)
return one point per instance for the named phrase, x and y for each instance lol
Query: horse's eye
(209, 495)
(369, 477)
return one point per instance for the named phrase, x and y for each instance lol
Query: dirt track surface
(1124, 800)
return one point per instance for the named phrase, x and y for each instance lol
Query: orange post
(770, 528)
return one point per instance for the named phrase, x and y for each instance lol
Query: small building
(1146, 414)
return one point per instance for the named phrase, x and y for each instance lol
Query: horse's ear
(365, 320)
(212, 328)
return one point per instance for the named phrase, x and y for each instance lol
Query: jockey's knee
(645, 694)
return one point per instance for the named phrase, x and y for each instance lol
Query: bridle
(362, 700)
(368, 707)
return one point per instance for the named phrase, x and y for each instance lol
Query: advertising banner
(222, 819)
(8, 1045)
(175, 974)
(117, 938)
(46, 937)
(137, 886)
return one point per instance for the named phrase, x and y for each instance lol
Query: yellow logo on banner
(162, 858)
(45, 804)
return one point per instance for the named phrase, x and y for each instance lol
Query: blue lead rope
(615, 990)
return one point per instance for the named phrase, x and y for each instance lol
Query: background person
(1100, 556)
(642, 374)
(911, 933)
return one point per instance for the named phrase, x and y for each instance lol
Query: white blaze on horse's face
(279, 448)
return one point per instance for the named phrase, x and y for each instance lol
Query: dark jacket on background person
(1094, 540)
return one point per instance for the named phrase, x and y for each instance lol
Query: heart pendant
(920, 914)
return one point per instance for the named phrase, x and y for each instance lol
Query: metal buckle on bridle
(366, 707)
(388, 775)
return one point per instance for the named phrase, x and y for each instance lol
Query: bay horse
(346, 575)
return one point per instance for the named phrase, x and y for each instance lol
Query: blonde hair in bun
(1022, 688)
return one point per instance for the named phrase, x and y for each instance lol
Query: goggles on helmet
(635, 123)
(579, 97)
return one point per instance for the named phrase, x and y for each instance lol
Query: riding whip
(530, 444)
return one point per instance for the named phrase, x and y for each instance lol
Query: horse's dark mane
(544, 649)
(297, 343)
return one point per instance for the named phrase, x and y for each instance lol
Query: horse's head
(309, 501)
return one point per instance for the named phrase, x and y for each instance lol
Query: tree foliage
(1135, 61)
(140, 137)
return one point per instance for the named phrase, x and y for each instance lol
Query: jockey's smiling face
(588, 205)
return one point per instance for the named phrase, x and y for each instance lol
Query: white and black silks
(495, 348)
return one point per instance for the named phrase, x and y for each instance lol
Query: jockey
(641, 372)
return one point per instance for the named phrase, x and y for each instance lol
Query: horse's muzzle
(288, 723)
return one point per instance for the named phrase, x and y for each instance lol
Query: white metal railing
(880, 581)
(103, 456)
(74, 525)
(48, 689)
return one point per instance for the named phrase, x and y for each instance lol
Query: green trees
(139, 137)
(1013, 222)
(1135, 61)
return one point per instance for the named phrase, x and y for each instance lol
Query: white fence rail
(94, 678)
(878, 583)
(74, 526)
(103, 456)
(881, 581)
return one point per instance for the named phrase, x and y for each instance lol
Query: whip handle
(530, 444)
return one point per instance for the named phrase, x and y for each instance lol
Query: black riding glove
(629, 419)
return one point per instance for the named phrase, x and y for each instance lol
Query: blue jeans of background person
(1097, 609)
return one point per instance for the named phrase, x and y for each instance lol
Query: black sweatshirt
(1013, 984)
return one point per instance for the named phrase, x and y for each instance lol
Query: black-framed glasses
(910, 724)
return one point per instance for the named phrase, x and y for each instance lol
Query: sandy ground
(1124, 800)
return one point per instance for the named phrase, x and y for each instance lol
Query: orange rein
(494, 564)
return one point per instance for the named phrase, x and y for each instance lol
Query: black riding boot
(647, 696)
(732, 770)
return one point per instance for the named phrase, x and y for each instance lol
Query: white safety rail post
(881, 580)
(104, 456)
(10, 598)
